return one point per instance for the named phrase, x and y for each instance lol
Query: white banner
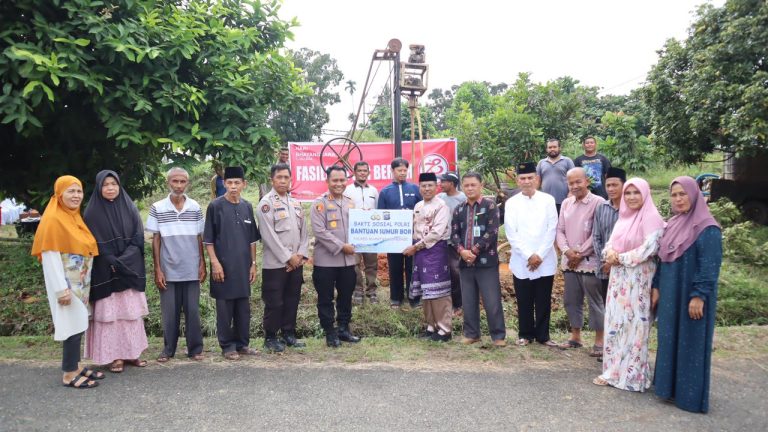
(380, 231)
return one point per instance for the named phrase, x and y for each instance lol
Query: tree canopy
(710, 91)
(88, 85)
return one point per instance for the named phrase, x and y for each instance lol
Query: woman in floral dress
(631, 252)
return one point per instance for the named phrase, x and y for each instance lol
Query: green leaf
(30, 87)
(82, 42)
(55, 79)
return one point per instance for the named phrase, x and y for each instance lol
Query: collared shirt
(431, 222)
(283, 229)
(365, 197)
(330, 223)
(179, 231)
(553, 177)
(476, 227)
(399, 196)
(606, 216)
(530, 224)
(574, 231)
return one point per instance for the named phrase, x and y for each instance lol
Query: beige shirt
(330, 223)
(283, 230)
(431, 222)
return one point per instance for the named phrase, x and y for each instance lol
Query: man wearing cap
(552, 170)
(230, 237)
(453, 197)
(474, 235)
(530, 222)
(334, 258)
(579, 260)
(285, 237)
(431, 277)
(365, 197)
(606, 215)
(399, 195)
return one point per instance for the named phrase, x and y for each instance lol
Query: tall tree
(304, 119)
(709, 91)
(115, 84)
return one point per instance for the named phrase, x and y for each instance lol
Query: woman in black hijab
(118, 278)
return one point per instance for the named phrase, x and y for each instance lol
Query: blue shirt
(220, 189)
(391, 199)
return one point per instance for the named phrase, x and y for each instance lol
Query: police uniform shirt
(283, 230)
(231, 229)
(330, 223)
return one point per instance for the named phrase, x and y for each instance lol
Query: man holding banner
(431, 276)
(365, 197)
(399, 195)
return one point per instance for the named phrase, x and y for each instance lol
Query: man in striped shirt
(606, 215)
(176, 223)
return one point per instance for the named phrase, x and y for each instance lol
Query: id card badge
(476, 231)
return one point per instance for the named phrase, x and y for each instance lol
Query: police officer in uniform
(334, 258)
(285, 237)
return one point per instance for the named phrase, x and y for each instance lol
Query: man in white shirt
(365, 197)
(530, 223)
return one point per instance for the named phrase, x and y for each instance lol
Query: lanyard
(400, 188)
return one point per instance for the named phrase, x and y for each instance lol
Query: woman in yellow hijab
(66, 247)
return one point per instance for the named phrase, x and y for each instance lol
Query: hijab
(119, 234)
(684, 228)
(62, 229)
(634, 226)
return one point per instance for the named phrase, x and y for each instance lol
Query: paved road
(256, 396)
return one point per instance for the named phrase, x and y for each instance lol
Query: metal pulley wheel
(340, 151)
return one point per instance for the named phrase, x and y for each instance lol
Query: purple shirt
(574, 231)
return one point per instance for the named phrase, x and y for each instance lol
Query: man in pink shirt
(579, 259)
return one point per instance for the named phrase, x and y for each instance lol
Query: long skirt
(116, 331)
(431, 272)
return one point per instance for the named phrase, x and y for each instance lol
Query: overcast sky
(609, 44)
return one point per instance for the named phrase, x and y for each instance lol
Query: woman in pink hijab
(630, 251)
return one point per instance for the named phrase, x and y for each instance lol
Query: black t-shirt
(596, 167)
(231, 229)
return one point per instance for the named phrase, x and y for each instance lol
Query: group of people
(619, 254)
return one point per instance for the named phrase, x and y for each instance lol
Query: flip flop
(163, 358)
(599, 382)
(597, 351)
(232, 355)
(550, 343)
(84, 384)
(198, 357)
(137, 362)
(570, 344)
(92, 374)
(116, 367)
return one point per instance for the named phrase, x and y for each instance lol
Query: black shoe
(346, 336)
(289, 339)
(332, 339)
(273, 345)
(437, 337)
(427, 335)
(415, 304)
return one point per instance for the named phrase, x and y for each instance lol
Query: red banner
(308, 178)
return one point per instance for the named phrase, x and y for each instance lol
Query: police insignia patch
(265, 208)
(333, 224)
(319, 207)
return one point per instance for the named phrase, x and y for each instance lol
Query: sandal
(81, 382)
(550, 343)
(248, 351)
(92, 374)
(232, 355)
(138, 363)
(198, 357)
(597, 351)
(116, 366)
(163, 358)
(570, 344)
(522, 342)
(599, 382)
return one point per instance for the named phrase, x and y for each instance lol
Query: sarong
(431, 273)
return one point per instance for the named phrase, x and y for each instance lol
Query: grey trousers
(178, 296)
(476, 282)
(70, 356)
(577, 286)
(366, 264)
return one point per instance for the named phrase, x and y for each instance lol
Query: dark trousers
(604, 290)
(534, 305)
(178, 296)
(453, 263)
(325, 280)
(399, 264)
(233, 319)
(477, 282)
(557, 208)
(70, 356)
(280, 292)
